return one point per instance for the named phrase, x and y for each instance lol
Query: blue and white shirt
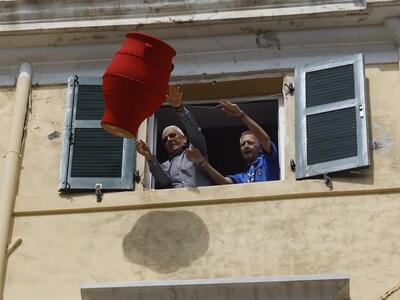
(264, 168)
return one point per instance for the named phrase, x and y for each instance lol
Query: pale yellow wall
(276, 228)
(355, 235)
(6, 106)
(41, 162)
(384, 82)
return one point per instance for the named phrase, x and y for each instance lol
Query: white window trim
(152, 130)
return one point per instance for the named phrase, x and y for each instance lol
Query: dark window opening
(222, 132)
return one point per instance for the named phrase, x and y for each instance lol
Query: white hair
(173, 127)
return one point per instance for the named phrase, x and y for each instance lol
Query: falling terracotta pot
(135, 83)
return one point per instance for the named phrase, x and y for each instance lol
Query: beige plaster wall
(384, 88)
(6, 106)
(275, 228)
(42, 155)
(353, 235)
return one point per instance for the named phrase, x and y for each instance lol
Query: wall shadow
(165, 241)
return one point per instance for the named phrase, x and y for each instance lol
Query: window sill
(43, 204)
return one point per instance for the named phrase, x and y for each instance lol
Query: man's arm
(195, 155)
(193, 131)
(162, 178)
(234, 110)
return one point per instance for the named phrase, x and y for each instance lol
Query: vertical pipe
(8, 187)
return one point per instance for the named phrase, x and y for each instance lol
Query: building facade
(321, 237)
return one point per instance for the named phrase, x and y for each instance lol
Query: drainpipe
(8, 187)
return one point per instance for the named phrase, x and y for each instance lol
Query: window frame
(152, 127)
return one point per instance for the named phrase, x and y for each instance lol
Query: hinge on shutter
(292, 165)
(70, 136)
(288, 89)
(136, 175)
(99, 192)
(328, 181)
(361, 109)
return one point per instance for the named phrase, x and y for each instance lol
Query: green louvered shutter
(90, 154)
(331, 120)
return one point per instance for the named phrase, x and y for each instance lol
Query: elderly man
(257, 150)
(178, 171)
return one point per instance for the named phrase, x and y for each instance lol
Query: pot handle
(147, 49)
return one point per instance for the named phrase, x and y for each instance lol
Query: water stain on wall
(165, 241)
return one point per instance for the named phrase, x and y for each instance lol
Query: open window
(330, 127)
(221, 131)
(260, 98)
(331, 120)
(91, 156)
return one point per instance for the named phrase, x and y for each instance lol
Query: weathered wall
(275, 228)
(354, 235)
(42, 153)
(384, 86)
(6, 105)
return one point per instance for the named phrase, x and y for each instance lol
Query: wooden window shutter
(331, 117)
(90, 154)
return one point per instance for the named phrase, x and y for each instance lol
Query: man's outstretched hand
(193, 154)
(174, 96)
(143, 149)
(230, 108)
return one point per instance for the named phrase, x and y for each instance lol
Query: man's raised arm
(234, 110)
(193, 131)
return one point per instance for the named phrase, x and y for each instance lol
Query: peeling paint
(267, 39)
(77, 39)
(383, 142)
(98, 36)
(264, 38)
(54, 135)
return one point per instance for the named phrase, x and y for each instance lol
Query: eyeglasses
(170, 136)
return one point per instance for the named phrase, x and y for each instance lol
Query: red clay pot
(135, 83)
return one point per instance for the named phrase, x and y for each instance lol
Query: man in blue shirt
(257, 150)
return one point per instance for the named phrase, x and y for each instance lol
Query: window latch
(99, 192)
(361, 108)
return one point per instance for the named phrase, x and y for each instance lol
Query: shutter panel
(331, 121)
(90, 154)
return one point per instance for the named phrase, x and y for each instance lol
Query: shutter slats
(331, 135)
(90, 104)
(329, 85)
(96, 152)
(93, 157)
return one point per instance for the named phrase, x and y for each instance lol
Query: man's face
(173, 141)
(250, 147)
